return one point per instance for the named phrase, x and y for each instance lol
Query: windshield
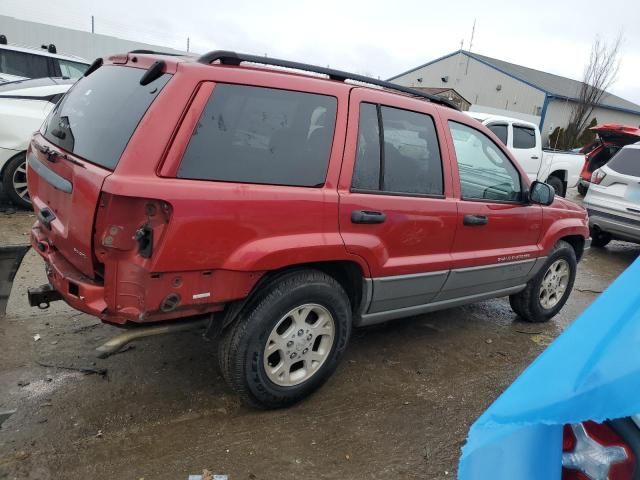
(97, 117)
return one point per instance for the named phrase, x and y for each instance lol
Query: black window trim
(524, 197)
(381, 175)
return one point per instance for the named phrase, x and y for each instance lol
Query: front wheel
(547, 292)
(599, 238)
(289, 342)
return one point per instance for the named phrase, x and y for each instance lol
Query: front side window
(72, 69)
(485, 172)
(409, 161)
(500, 131)
(262, 135)
(524, 137)
(23, 64)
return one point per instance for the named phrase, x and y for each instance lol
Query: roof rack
(233, 58)
(152, 52)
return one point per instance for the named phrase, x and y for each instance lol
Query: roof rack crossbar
(233, 58)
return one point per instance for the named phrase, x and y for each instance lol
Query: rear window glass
(97, 117)
(262, 135)
(524, 137)
(627, 162)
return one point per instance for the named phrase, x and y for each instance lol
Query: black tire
(557, 184)
(582, 188)
(600, 239)
(241, 347)
(527, 302)
(16, 167)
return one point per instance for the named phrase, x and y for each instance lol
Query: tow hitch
(42, 296)
(10, 260)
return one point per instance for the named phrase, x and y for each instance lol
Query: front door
(397, 209)
(495, 247)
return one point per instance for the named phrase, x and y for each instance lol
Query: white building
(86, 45)
(495, 86)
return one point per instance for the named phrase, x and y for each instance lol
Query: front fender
(561, 228)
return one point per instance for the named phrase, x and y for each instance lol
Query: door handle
(535, 157)
(364, 216)
(475, 220)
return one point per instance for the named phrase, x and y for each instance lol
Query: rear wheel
(599, 238)
(557, 184)
(547, 292)
(14, 181)
(289, 342)
(582, 189)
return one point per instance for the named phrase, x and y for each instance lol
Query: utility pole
(93, 29)
(473, 31)
(187, 44)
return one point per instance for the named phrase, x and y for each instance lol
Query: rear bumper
(78, 291)
(620, 227)
(108, 301)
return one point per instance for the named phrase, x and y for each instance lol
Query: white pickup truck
(561, 170)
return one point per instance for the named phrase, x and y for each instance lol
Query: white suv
(18, 63)
(613, 199)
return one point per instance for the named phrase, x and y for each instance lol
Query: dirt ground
(399, 406)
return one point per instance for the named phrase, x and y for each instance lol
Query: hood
(560, 202)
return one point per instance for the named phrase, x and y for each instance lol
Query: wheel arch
(347, 273)
(577, 243)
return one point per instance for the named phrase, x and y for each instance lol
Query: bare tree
(599, 75)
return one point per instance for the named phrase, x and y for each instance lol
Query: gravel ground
(399, 406)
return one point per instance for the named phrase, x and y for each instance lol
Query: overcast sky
(379, 38)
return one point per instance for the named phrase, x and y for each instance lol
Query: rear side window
(97, 117)
(500, 131)
(626, 161)
(23, 64)
(524, 137)
(262, 135)
(409, 162)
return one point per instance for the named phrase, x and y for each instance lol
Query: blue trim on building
(608, 107)
(545, 104)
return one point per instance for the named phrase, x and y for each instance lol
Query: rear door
(495, 245)
(397, 209)
(79, 145)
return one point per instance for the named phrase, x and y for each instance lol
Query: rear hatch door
(78, 146)
(617, 133)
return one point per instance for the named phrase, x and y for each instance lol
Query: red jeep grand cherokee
(286, 206)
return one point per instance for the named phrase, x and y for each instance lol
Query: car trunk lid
(617, 133)
(77, 148)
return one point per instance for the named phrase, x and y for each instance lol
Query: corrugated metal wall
(67, 41)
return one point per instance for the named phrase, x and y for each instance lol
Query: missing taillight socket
(144, 237)
(74, 289)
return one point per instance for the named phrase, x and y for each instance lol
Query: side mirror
(541, 193)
